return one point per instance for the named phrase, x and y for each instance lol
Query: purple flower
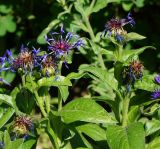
(157, 79)
(26, 60)
(60, 43)
(132, 73)
(114, 27)
(155, 94)
(48, 65)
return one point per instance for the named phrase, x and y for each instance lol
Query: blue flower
(60, 43)
(157, 79)
(26, 60)
(132, 73)
(155, 94)
(114, 27)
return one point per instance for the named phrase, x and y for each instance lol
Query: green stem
(125, 111)
(59, 94)
(38, 99)
(47, 99)
(53, 136)
(23, 80)
(90, 31)
(59, 101)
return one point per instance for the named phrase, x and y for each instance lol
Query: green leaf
(152, 126)
(10, 24)
(147, 83)
(7, 141)
(132, 137)
(74, 75)
(134, 36)
(127, 6)
(6, 99)
(139, 3)
(85, 110)
(64, 92)
(101, 4)
(93, 131)
(5, 9)
(133, 114)
(27, 144)
(128, 54)
(155, 144)
(41, 37)
(6, 116)
(16, 144)
(103, 75)
(54, 81)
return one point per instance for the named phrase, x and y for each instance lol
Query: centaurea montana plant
(122, 86)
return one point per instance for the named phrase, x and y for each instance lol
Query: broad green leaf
(6, 99)
(74, 75)
(41, 37)
(103, 75)
(134, 36)
(132, 137)
(16, 144)
(139, 3)
(128, 54)
(6, 116)
(100, 4)
(107, 52)
(2, 26)
(155, 144)
(64, 92)
(147, 83)
(152, 126)
(86, 110)
(54, 81)
(5, 9)
(93, 131)
(7, 141)
(127, 6)
(10, 24)
(133, 114)
(27, 144)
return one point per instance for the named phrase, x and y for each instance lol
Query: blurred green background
(26, 21)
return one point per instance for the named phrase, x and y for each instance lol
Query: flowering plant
(120, 108)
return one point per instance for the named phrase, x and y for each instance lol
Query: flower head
(60, 43)
(22, 125)
(48, 65)
(132, 73)
(25, 61)
(155, 94)
(114, 27)
(157, 79)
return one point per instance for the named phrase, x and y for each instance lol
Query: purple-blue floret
(157, 79)
(155, 94)
(60, 44)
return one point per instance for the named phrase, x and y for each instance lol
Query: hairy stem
(38, 99)
(125, 111)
